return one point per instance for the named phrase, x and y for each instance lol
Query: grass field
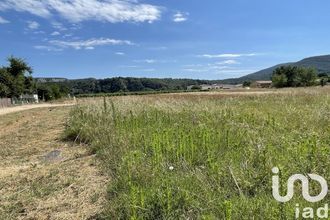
(205, 156)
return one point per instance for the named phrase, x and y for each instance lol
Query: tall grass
(205, 156)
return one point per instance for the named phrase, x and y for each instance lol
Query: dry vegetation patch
(43, 177)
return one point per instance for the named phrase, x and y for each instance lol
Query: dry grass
(68, 187)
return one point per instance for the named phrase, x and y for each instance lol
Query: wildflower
(171, 168)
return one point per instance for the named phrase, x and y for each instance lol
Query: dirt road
(4, 111)
(42, 176)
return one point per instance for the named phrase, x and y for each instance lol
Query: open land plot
(205, 155)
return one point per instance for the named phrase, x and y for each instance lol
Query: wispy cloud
(227, 67)
(120, 53)
(150, 61)
(221, 70)
(228, 55)
(58, 26)
(89, 44)
(3, 21)
(81, 10)
(180, 17)
(228, 62)
(129, 66)
(47, 48)
(146, 61)
(33, 25)
(55, 33)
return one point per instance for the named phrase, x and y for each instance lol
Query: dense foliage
(128, 84)
(16, 78)
(207, 156)
(293, 76)
(52, 91)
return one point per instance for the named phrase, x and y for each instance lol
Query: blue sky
(209, 39)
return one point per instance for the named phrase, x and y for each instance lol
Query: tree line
(129, 84)
(16, 79)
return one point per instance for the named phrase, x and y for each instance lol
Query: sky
(209, 39)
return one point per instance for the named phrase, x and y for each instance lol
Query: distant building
(262, 84)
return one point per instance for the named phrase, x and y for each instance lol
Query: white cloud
(35, 7)
(33, 25)
(150, 61)
(227, 55)
(180, 17)
(55, 33)
(3, 21)
(48, 48)
(128, 66)
(89, 44)
(67, 35)
(228, 62)
(81, 10)
(59, 26)
(120, 53)
(146, 61)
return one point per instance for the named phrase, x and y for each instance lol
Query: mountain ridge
(321, 63)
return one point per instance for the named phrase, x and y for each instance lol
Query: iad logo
(305, 187)
(307, 212)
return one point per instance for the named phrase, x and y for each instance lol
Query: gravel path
(4, 111)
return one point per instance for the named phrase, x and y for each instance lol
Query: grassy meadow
(205, 155)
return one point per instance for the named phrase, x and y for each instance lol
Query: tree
(51, 91)
(292, 76)
(16, 79)
(307, 76)
(279, 80)
(247, 83)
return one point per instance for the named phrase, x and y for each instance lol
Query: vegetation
(181, 156)
(16, 79)
(247, 83)
(293, 76)
(52, 91)
(128, 84)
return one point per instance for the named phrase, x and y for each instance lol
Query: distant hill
(91, 85)
(321, 63)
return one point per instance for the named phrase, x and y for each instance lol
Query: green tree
(16, 79)
(247, 83)
(292, 76)
(307, 76)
